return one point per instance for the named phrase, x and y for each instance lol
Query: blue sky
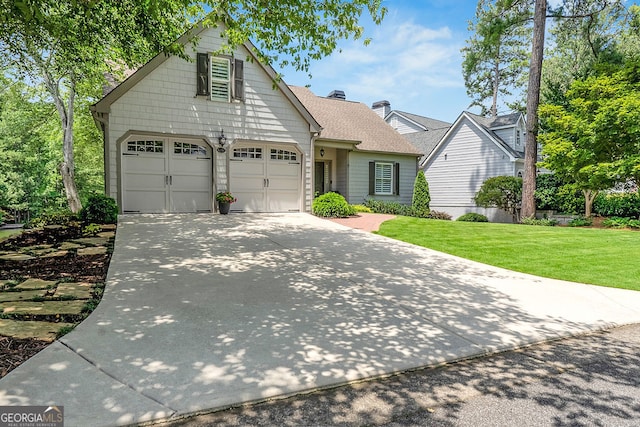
(413, 61)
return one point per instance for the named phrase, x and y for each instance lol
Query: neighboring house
(472, 150)
(177, 131)
(356, 153)
(424, 133)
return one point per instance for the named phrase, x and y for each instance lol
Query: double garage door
(166, 175)
(265, 178)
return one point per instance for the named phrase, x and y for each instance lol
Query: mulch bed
(70, 267)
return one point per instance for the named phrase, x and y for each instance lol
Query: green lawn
(597, 256)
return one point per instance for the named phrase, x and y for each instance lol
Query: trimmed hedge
(332, 205)
(472, 217)
(624, 205)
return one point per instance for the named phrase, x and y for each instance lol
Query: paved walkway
(363, 221)
(207, 311)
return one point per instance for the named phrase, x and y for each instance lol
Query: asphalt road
(592, 380)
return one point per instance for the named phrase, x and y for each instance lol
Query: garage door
(166, 175)
(265, 178)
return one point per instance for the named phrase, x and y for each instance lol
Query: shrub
(99, 209)
(502, 192)
(552, 194)
(392, 208)
(421, 198)
(91, 229)
(625, 205)
(473, 217)
(580, 222)
(439, 215)
(332, 205)
(545, 222)
(618, 222)
(361, 208)
(55, 217)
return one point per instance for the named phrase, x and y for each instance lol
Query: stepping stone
(76, 290)
(45, 331)
(107, 234)
(99, 250)
(108, 227)
(14, 256)
(91, 241)
(36, 284)
(21, 296)
(43, 308)
(40, 252)
(55, 254)
(35, 248)
(65, 246)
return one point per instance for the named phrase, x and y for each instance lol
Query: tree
(502, 192)
(421, 198)
(495, 57)
(69, 45)
(593, 141)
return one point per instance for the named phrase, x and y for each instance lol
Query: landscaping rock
(14, 256)
(45, 331)
(56, 254)
(43, 308)
(36, 284)
(107, 234)
(22, 296)
(99, 250)
(91, 241)
(76, 290)
(65, 246)
(108, 227)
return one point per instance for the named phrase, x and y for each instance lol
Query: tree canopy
(593, 140)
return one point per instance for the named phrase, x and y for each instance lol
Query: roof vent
(337, 94)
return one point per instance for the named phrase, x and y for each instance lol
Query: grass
(5, 234)
(587, 255)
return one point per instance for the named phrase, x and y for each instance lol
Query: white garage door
(166, 175)
(265, 178)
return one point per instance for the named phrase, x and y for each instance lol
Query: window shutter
(396, 178)
(238, 79)
(202, 72)
(372, 178)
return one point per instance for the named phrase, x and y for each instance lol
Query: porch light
(322, 152)
(222, 140)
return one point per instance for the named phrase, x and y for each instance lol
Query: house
(472, 150)
(178, 131)
(423, 132)
(356, 153)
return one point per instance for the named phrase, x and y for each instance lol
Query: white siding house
(163, 128)
(468, 154)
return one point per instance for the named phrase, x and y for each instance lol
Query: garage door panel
(249, 201)
(166, 175)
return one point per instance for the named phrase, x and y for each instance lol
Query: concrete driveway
(207, 311)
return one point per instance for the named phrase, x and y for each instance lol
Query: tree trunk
(67, 167)
(496, 84)
(533, 100)
(589, 197)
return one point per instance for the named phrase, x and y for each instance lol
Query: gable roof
(504, 120)
(104, 104)
(481, 124)
(426, 141)
(343, 120)
(425, 122)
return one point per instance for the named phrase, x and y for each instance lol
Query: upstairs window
(220, 77)
(518, 141)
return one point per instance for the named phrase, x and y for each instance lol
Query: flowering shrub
(225, 197)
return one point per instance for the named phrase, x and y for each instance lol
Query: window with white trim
(518, 142)
(384, 178)
(221, 78)
(247, 153)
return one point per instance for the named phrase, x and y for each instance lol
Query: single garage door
(166, 175)
(265, 178)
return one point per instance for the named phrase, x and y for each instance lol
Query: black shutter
(396, 178)
(202, 74)
(372, 178)
(238, 79)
